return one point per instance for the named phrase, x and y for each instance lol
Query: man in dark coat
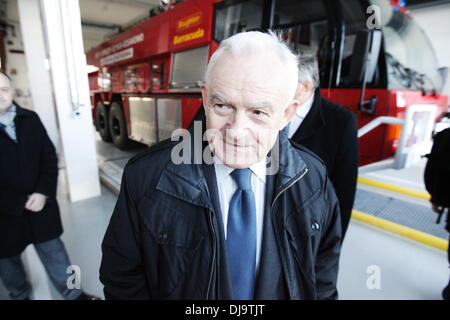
(29, 213)
(330, 131)
(213, 221)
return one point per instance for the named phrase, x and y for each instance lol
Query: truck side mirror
(365, 56)
(368, 47)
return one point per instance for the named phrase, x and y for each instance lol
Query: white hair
(255, 43)
(308, 69)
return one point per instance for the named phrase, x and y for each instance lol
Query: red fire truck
(373, 59)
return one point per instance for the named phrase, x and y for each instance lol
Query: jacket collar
(21, 112)
(290, 162)
(188, 182)
(313, 121)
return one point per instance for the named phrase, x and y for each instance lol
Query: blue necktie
(241, 236)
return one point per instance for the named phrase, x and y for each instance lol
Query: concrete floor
(85, 223)
(411, 177)
(377, 265)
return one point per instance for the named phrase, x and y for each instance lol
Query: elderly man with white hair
(256, 218)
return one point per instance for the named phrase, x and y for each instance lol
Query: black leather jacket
(164, 242)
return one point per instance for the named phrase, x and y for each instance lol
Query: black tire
(102, 122)
(118, 127)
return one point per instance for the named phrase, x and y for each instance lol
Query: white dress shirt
(227, 186)
(300, 115)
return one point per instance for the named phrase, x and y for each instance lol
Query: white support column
(53, 37)
(71, 91)
(38, 67)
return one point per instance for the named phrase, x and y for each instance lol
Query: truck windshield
(305, 28)
(232, 17)
(303, 23)
(411, 60)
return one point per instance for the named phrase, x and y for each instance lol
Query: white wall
(435, 21)
(16, 64)
(59, 85)
(62, 26)
(38, 67)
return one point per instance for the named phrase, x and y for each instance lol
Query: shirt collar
(303, 110)
(258, 169)
(8, 116)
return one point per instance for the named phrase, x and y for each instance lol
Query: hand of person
(36, 202)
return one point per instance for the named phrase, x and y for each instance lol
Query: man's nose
(238, 125)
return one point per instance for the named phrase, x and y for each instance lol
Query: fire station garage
(110, 79)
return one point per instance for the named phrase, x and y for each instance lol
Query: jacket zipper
(288, 186)
(211, 225)
(283, 190)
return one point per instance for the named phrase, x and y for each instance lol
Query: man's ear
(304, 90)
(289, 112)
(308, 87)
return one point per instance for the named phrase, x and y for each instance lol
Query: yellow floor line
(390, 187)
(403, 231)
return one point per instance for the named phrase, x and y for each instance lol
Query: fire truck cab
(374, 59)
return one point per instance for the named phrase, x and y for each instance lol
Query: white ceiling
(109, 12)
(102, 13)
(114, 11)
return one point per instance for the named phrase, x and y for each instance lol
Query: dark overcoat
(26, 167)
(330, 131)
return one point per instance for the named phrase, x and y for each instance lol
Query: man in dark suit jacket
(330, 131)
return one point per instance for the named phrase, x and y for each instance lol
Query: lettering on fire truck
(118, 56)
(112, 56)
(186, 23)
(190, 21)
(189, 36)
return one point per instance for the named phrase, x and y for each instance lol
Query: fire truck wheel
(118, 127)
(101, 122)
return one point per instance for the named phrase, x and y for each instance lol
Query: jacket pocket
(175, 233)
(303, 229)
